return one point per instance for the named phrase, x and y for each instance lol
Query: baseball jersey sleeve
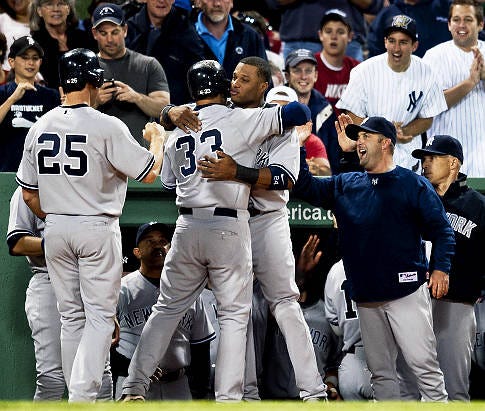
(124, 153)
(284, 154)
(21, 220)
(354, 96)
(202, 331)
(168, 178)
(434, 101)
(257, 124)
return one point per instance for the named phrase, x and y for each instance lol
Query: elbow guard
(279, 178)
(295, 114)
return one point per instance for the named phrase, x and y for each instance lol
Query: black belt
(219, 211)
(253, 212)
(351, 349)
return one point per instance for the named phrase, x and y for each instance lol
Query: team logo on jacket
(239, 50)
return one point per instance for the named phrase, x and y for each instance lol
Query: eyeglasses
(51, 6)
(300, 71)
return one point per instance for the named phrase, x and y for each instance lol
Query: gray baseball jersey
(211, 241)
(465, 120)
(237, 132)
(41, 310)
(79, 160)
(374, 89)
(137, 296)
(342, 314)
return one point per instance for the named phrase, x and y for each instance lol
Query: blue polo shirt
(218, 46)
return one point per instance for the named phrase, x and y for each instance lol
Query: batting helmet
(207, 78)
(79, 67)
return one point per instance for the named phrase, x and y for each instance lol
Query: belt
(351, 349)
(170, 376)
(219, 211)
(254, 212)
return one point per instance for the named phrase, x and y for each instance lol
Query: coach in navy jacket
(383, 216)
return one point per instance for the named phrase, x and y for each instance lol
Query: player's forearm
(455, 94)
(29, 246)
(31, 198)
(417, 126)
(156, 148)
(151, 105)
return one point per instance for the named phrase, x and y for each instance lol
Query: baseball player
(458, 67)
(454, 318)
(398, 86)
(139, 291)
(353, 374)
(387, 278)
(25, 237)
(211, 239)
(74, 173)
(276, 165)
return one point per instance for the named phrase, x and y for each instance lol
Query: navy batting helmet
(207, 78)
(79, 67)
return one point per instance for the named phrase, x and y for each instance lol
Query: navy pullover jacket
(382, 220)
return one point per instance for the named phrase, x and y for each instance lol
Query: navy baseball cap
(440, 145)
(22, 44)
(299, 55)
(378, 125)
(402, 23)
(108, 12)
(144, 229)
(335, 15)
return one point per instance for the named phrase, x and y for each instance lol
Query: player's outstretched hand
(309, 257)
(439, 282)
(152, 130)
(346, 144)
(185, 118)
(222, 167)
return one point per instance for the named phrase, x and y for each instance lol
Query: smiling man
(23, 101)
(459, 69)
(397, 86)
(387, 275)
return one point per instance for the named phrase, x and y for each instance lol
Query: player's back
(82, 158)
(238, 133)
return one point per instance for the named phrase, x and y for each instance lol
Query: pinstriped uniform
(466, 120)
(374, 89)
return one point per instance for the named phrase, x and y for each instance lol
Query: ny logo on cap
(30, 40)
(401, 21)
(106, 10)
(430, 141)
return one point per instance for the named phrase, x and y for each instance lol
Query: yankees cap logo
(106, 10)
(430, 141)
(401, 21)
(30, 40)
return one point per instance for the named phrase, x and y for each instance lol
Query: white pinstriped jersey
(238, 132)
(465, 120)
(374, 89)
(137, 297)
(23, 222)
(340, 310)
(283, 153)
(79, 160)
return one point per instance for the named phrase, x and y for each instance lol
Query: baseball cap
(402, 23)
(22, 44)
(144, 229)
(377, 125)
(281, 93)
(441, 145)
(108, 12)
(335, 15)
(299, 55)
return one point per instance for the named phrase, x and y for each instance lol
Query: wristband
(279, 179)
(246, 174)
(164, 114)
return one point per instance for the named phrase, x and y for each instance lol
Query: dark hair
(3, 47)
(478, 8)
(264, 69)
